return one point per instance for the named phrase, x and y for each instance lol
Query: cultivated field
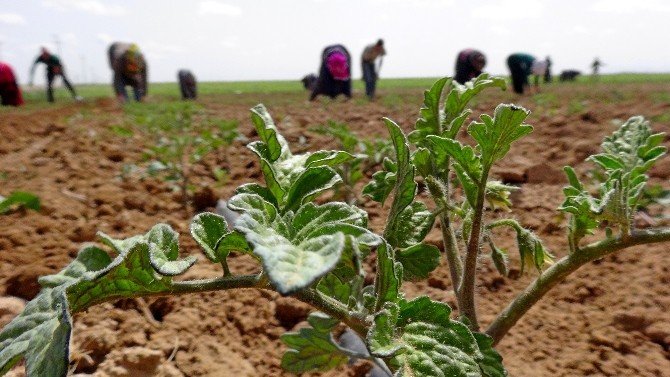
(608, 319)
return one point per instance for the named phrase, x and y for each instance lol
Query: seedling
(181, 136)
(368, 153)
(19, 199)
(316, 252)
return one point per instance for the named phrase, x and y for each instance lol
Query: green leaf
(312, 182)
(500, 260)
(461, 95)
(422, 162)
(491, 365)
(164, 251)
(275, 144)
(255, 188)
(430, 122)
(207, 229)
(381, 186)
(313, 348)
(496, 135)
(422, 340)
(413, 224)
(464, 155)
(418, 261)
(298, 250)
(331, 286)
(328, 158)
(19, 198)
(532, 250)
(41, 333)
(405, 187)
(388, 278)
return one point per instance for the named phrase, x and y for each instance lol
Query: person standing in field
(595, 66)
(371, 73)
(10, 93)
(469, 64)
(547, 73)
(335, 73)
(129, 69)
(187, 84)
(54, 68)
(521, 65)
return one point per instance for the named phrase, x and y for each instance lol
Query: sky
(225, 40)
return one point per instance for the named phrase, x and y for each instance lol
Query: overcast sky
(270, 39)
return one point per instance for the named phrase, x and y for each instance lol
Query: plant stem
(334, 309)
(258, 281)
(467, 288)
(439, 192)
(561, 269)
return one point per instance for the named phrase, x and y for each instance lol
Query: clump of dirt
(608, 319)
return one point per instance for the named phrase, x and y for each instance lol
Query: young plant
(316, 252)
(368, 153)
(18, 199)
(181, 137)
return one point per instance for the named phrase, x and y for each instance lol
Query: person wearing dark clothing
(520, 66)
(309, 81)
(187, 84)
(547, 73)
(335, 73)
(10, 93)
(54, 68)
(129, 68)
(469, 64)
(370, 73)
(595, 66)
(569, 75)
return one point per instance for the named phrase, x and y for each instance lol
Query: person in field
(521, 65)
(187, 84)
(54, 69)
(371, 73)
(129, 69)
(10, 93)
(469, 64)
(595, 67)
(547, 74)
(335, 73)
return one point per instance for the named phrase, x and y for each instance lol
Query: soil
(608, 319)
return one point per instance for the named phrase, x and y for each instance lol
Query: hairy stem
(561, 269)
(439, 192)
(258, 281)
(467, 288)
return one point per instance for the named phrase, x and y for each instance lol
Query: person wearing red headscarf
(9, 90)
(335, 73)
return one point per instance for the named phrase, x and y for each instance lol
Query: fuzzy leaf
(328, 158)
(418, 261)
(313, 348)
(464, 155)
(532, 250)
(422, 340)
(491, 365)
(496, 135)
(459, 97)
(275, 144)
(430, 123)
(381, 186)
(388, 278)
(500, 260)
(331, 286)
(207, 229)
(298, 250)
(164, 251)
(309, 184)
(413, 224)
